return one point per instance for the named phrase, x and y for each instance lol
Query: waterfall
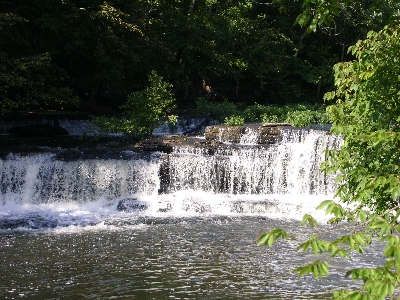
(250, 136)
(289, 167)
(42, 178)
(281, 179)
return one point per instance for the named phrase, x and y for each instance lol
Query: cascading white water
(250, 136)
(289, 167)
(41, 178)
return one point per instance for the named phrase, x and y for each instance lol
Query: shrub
(265, 113)
(219, 111)
(234, 121)
(144, 109)
(300, 118)
(298, 115)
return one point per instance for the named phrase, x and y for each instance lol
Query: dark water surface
(183, 258)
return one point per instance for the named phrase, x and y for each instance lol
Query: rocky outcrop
(161, 143)
(268, 133)
(215, 137)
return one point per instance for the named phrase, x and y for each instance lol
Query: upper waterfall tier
(290, 166)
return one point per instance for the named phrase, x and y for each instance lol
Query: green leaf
(324, 204)
(340, 252)
(318, 269)
(307, 218)
(263, 239)
(314, 247)
(395, 192)
(390, 289)
(269, 238)
(303, 18)
(362, 215)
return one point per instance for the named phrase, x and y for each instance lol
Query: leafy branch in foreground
(367, 166)
(269, 238)
(378, 282)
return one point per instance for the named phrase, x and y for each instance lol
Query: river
(182, 225)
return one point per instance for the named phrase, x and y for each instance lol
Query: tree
(97, 43)
(367, 166)
(56, 54)
(367, 116)
(334, 25)
(143, 110)
(29, 78)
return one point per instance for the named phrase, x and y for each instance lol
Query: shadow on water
(183, 258)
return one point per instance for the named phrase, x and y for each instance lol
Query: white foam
(103, 214)
(190, 203)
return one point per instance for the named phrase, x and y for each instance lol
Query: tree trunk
(319, 88)
(300, 44)
(92, 103)
(193, 7)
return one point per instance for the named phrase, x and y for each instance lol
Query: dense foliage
(367, 116)
(79, 54)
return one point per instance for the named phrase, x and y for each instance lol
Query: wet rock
(33, 221)
(215, 137)
(130, 205)
(153, 144)
(270, 133)
(230, 134)
(159, 143)
(196, 206)
(164, 175)
(198, 127)
(38, 130)
(164, 143)
(168, 208)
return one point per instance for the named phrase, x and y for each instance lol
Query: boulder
(130, 205)
(31, 221)
(270, 133)
(161, 144)
(168, 208)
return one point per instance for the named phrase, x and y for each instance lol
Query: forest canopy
(79, 55)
